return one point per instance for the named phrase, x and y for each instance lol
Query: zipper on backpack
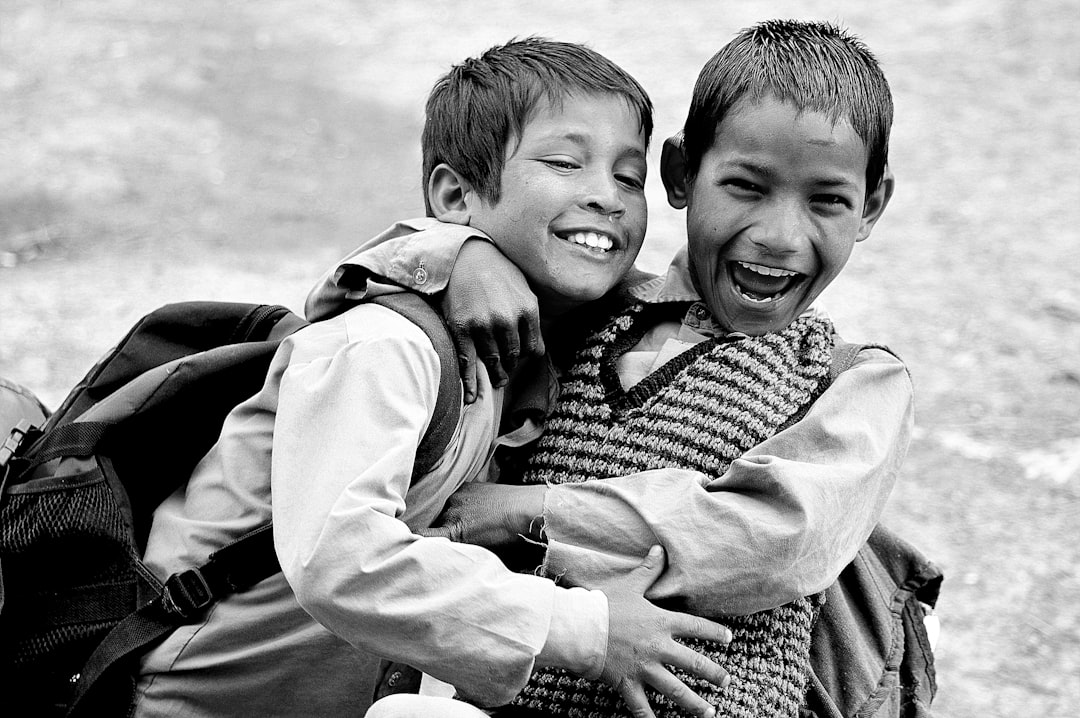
(252, 325)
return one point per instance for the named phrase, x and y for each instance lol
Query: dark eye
(831, 201)
(742, 186)
(565, 165)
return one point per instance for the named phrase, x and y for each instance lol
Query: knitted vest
(703, 409)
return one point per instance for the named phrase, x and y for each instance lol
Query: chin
(589, 295)
(588, 290)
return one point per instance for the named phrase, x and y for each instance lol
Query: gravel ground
(155, 152)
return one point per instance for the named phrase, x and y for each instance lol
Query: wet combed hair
(815, 65)
(483, 103)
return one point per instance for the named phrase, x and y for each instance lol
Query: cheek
(838, 249)
(705, 243)
(639, 224)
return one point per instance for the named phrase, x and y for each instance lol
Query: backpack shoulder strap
(843, 356)
(234, 567)
(448, 404)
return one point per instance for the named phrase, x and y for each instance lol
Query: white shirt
(331, 438)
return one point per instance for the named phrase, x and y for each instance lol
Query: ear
(876, 203)
(673, 171)
(448, 193)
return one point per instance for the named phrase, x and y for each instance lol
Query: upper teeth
(591, 239)
(771, 271)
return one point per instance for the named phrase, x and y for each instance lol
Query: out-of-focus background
(154, 152)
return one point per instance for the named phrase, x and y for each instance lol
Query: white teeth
(591, 239)
(770, 271)
(759, 300)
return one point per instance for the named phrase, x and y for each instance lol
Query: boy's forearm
(782, 522)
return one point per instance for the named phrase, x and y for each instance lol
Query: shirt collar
(674, 285)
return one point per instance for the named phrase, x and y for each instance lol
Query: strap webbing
(448, 404)
(80, 438)
(237, 566)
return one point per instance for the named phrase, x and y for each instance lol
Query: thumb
(645, 573)
(436, 532)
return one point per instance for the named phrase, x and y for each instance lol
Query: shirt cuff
(578, 636)
(421, 262)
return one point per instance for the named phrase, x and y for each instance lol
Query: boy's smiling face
(776, 207)
(571, 212)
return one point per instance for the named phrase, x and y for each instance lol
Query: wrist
(531, 512)
(578, 633)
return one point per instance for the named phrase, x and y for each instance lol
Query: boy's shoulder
(846, 355)
(400, 323)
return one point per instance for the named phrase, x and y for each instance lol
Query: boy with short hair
(722, 367)
(554, 152)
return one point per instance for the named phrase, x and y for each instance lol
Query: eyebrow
(830, 182)
(583, 140)
(769, 174)
(755, 168)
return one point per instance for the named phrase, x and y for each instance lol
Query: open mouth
(761, 284)
(590, 240)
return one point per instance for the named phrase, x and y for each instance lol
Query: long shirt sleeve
(782, 522)
(350, 415)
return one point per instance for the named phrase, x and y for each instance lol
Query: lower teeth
(758, 298)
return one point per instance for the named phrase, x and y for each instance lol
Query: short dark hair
(815, 65)
(482, 103)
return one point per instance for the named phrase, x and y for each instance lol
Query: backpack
(77, 605)
(870, 655)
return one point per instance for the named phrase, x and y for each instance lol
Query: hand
(491, 313)
(491, 515)
(641, 641)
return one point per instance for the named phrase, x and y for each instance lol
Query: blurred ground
(152, 152)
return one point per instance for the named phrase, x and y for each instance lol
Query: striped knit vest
(701, 410)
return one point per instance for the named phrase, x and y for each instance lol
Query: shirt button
(393, 679)
(420, 275)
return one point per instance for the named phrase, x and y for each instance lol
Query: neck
(553, 313)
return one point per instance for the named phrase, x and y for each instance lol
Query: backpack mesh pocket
(69, 574)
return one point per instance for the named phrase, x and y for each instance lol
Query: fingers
(687, 626)
(487, 349)
(645, 573)
(667, 684)
(466, 360)
(532, 339)
(695, 664)
(436, 532)
(633, 694)
(509, 348)
(498, 342)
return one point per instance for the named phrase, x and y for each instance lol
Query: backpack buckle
(23, 433)
(186, 593)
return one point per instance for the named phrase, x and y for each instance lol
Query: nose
(603, 195)
(783, 227)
